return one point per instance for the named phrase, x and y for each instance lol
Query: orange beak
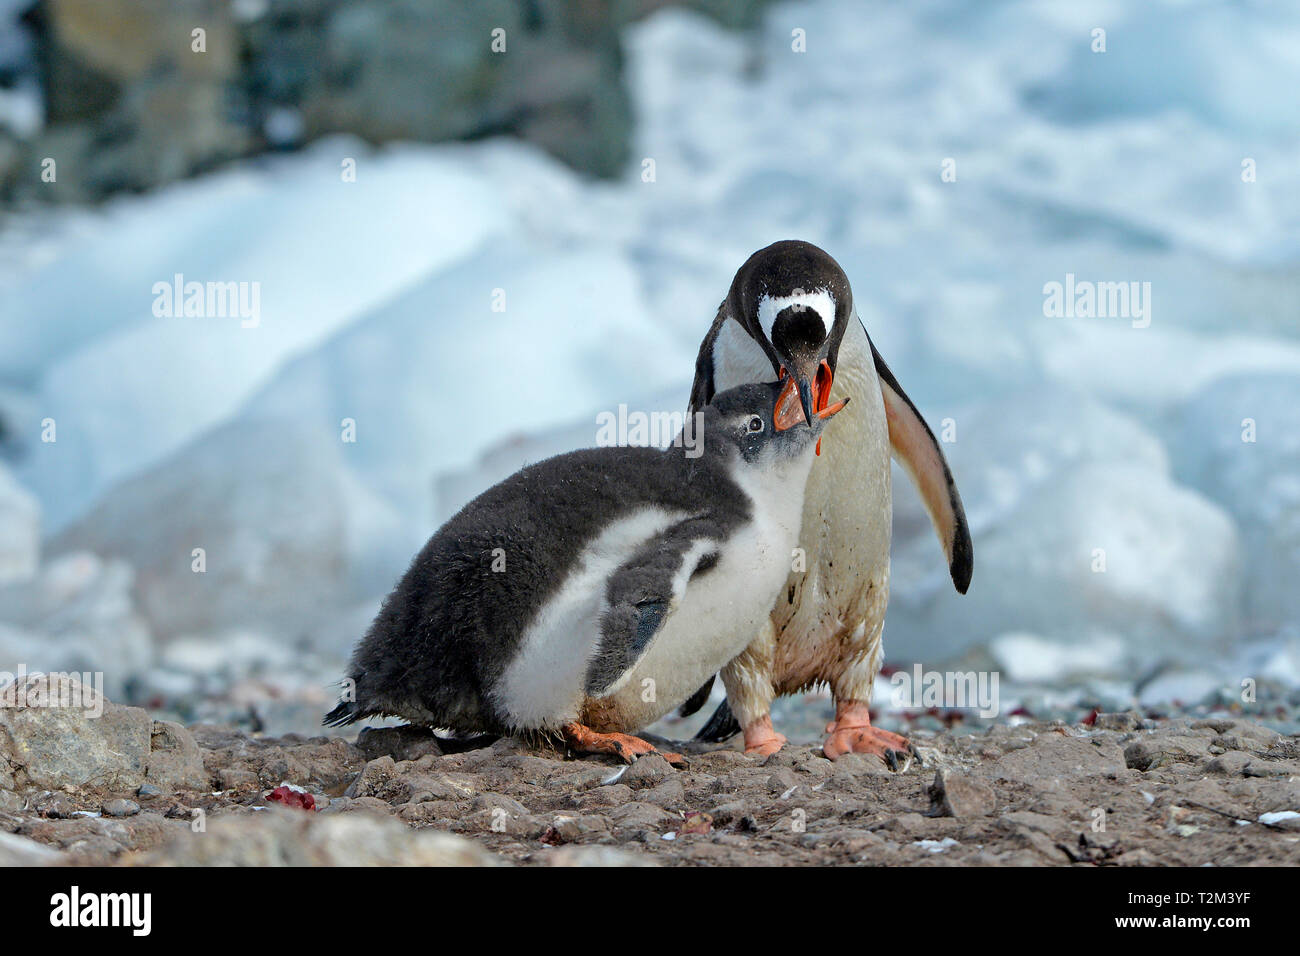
(789, 409)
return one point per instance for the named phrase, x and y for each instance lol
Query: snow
(1237, 442)
(377, 307)
(130, 387)
(1029, 658)
(20, 530)
(1001, 451)
(1180, 687)
(1106, 551)
(265, 543)
(430, 396)
(936, 846)
(1278, 816)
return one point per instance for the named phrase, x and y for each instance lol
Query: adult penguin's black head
(794, 300)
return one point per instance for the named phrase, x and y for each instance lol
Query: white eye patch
(821, 302)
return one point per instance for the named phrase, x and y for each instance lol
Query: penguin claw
(675, 759)
(897, 760)
(625, 747)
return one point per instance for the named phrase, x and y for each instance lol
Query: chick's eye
(756, 424)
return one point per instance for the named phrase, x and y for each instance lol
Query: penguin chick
(592, 593)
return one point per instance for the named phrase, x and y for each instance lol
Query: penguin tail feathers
(344, 713)
(721, 726)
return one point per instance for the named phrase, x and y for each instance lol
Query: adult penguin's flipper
(721, 726)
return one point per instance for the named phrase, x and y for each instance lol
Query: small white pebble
(668, 836)
(1150, 797)
(936, 846)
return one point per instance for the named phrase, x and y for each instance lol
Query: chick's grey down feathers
(444, 636)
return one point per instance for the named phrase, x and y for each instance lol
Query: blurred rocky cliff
(131, 94)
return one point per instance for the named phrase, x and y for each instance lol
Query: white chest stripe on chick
(658, 648)
(543, 685)
(717, 614)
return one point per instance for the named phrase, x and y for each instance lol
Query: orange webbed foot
(761, 740)
(625, 747)
(851, 732)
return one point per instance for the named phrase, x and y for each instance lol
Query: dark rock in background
(131, 105)
(414, 69)
(128, 103)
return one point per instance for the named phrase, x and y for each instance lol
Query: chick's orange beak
(789, 410)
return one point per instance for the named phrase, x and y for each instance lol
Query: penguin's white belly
(713, 617)
(829, 619)
(718, 615)
(542, 687)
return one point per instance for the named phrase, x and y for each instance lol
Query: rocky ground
(123, 788)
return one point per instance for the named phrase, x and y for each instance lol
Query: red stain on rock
(292, 798)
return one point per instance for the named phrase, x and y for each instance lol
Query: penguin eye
(755, 424)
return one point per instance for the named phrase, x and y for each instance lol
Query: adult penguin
(789, 317)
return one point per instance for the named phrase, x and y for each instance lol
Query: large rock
(955, 794)
(129, 103)
(57, 733)
(175, 761)
(426, 70)
(1051, 759)
(285, 837)
(1238, 444)
(20, 530)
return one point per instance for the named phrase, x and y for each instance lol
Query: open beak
(805, 396)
